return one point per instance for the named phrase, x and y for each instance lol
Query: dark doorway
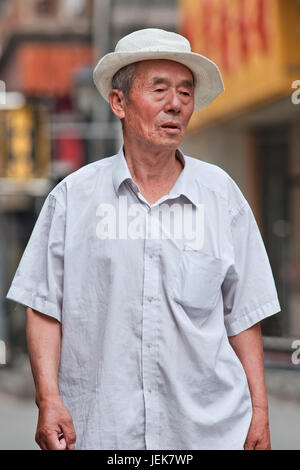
(273, 153)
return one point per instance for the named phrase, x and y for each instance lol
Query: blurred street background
(53, 121)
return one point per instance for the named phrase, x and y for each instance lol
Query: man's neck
(150, 166)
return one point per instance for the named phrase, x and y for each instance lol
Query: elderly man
(146, 278)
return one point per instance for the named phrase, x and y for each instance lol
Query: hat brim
(208, 79)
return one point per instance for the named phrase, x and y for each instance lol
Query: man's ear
(117, 103)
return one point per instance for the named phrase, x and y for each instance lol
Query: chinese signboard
(255, 43)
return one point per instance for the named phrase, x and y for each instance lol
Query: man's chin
(168, 142)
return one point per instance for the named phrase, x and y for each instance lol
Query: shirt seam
(232, 322)
(238, 211)
(233, 212)
(68, 180)
(225, 197)
(44, 298)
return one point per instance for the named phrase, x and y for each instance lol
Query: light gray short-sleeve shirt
(147, 296)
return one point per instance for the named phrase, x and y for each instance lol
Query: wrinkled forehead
(165, 68)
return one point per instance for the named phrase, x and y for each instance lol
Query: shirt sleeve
(249, 292)
(38, 281)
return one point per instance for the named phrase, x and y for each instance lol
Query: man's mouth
(172, 127)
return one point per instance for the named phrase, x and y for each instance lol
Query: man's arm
(44, 344)
(248, 347)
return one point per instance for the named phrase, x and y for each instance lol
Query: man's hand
(249, 349)
(258, 437)
(55, 429)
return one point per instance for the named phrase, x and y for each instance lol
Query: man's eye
(185, 93)
(159, 89)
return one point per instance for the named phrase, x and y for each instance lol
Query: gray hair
(124, 78)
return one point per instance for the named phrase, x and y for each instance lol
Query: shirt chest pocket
(197, 282)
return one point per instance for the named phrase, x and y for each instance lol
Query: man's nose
(173, 103)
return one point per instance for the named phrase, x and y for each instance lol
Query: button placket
(151, 310)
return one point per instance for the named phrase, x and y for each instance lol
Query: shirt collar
(185, 184)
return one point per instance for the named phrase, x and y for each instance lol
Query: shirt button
(149, 390)
(150, 299)
(149, 346)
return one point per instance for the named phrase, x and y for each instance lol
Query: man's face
(161, 103)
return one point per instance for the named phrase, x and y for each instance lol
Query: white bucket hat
(152, 43)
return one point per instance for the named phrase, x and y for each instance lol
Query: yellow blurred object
(20, 163)
(255, 44)
(25, 143)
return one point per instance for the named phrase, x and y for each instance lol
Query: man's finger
(262, 445)
(249, 445)
(63, 444)
(41, 444)
(53, 442)
(69, 435)
(40, 441)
